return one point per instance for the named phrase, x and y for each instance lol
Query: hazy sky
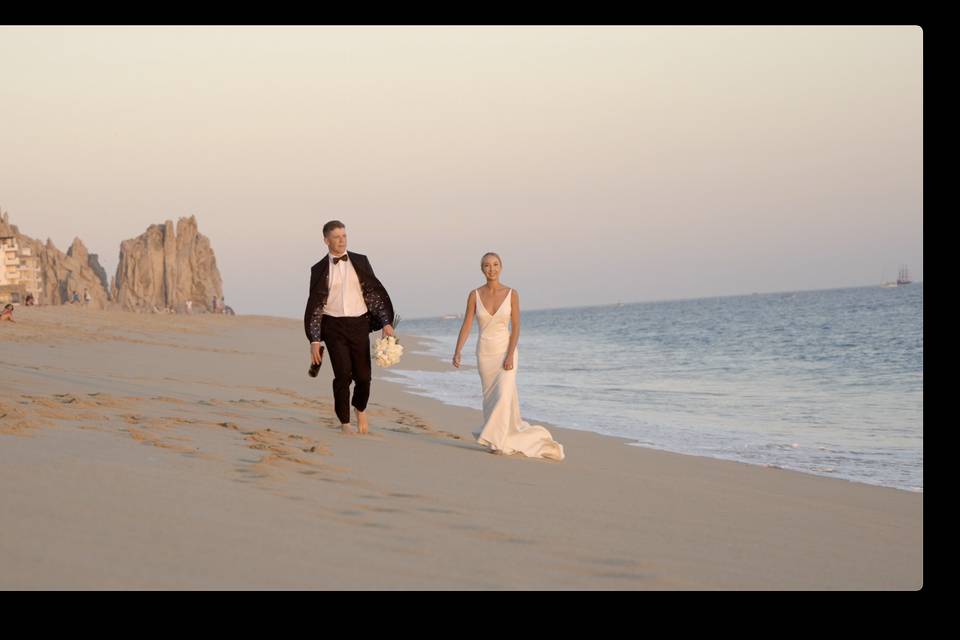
(604, 164)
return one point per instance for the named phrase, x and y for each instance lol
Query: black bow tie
(343, 257)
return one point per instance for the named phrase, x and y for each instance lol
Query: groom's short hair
(330, 226)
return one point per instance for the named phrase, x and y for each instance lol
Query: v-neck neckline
(498, 308)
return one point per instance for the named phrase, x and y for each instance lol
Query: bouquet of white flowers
(387, 351)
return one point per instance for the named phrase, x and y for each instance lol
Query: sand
(193, 452)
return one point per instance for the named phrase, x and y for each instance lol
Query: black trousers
(348, 343)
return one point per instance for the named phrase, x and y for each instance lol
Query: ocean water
(825, 382)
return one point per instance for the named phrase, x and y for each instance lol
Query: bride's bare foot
(362, 424)
(346, 430)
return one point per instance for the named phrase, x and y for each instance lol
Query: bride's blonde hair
(491, 253)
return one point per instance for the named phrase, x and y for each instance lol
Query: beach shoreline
(425, 361)
(164, 451)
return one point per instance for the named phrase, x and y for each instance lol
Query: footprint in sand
(286, 452)
(19, 422)
(284, 392)
(106, 400)
(148, 438)
(411, 423)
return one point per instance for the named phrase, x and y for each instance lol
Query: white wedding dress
(503, 430)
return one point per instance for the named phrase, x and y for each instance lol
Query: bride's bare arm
(514, 328)
(465, 327)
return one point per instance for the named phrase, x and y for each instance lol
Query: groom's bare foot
(362, 424)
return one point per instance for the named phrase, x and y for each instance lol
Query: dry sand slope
(157, 451)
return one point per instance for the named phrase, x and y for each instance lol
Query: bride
(497, 358)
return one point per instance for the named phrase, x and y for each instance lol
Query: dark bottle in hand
(315, 368)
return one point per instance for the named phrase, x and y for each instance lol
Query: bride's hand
(508, 363)
(456, 360)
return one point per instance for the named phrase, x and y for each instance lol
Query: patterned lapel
(323, 276)
(358, 268)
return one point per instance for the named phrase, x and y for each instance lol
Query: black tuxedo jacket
(374, 295)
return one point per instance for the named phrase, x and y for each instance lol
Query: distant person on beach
(7, 313)
(76, 298)
(29, 302)
(346, 303)
(189, 307)
(86, 297)
(497, 358)
(213, 305)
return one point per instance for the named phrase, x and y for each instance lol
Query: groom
(346, 304)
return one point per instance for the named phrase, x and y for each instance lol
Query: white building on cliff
(19, 269)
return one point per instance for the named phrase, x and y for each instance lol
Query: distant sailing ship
(903, 278)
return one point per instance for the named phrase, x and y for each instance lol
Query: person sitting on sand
(7, 313)
(30, 300)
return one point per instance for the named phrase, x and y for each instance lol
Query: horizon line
(608, 304)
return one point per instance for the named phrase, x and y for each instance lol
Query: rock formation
(78, 251)
(162, 269)
(60, 274)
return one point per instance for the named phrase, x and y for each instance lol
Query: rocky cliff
(163, 268)
(78, 251)
(61, 274)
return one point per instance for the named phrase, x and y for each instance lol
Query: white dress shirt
(346, 296)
